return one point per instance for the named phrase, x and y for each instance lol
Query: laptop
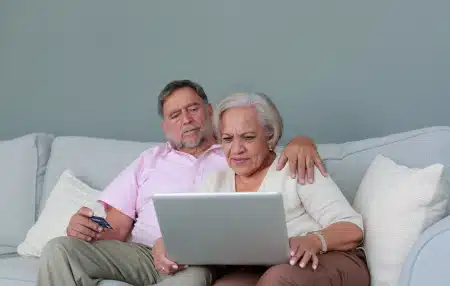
(223, 228)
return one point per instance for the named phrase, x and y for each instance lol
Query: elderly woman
(324, 230)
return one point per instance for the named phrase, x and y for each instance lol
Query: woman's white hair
(268, 114)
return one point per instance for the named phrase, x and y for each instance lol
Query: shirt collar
(169, 148)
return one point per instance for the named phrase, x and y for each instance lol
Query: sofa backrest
(22, 168)
(98, 161)
(95, 161)
(31, 165)
(348, 162)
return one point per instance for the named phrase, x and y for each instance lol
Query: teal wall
(338, 70)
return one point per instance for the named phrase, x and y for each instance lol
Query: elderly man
(133, 250)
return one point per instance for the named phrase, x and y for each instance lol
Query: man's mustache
(188, 128)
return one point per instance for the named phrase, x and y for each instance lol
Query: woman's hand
(304, 249)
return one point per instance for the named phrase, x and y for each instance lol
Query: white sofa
(31, 165)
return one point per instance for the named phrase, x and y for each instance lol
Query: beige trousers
(73, 262)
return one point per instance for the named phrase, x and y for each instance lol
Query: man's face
(187, 119)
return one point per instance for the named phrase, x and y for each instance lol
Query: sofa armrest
(428, 262)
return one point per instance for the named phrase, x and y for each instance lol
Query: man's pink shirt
(161, 169)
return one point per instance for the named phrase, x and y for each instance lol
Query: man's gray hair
(175, 85)
(268, 114)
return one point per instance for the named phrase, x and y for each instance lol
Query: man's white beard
(177, 145)
(193, 144)
(205, 132)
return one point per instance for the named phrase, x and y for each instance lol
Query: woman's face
(243, 140)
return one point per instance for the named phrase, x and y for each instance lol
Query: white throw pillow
(68, 195)
(397, 204)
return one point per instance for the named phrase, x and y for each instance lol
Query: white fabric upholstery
(348, 162)
(94, 161)
(398, 204)
(67, 197)
(21, 271)
(16, 270)
(22, 163)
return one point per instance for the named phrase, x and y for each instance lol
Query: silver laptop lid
(223, 228)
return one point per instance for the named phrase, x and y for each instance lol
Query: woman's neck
(252, 182)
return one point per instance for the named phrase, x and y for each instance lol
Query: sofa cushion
(22, 271)
(397, 204)
(18, 271)
(66, 198)
(348, 162)
(94, 161)
(22, 165)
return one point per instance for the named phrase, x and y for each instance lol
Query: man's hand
(162, 263)
(302, 155)
(82, 227)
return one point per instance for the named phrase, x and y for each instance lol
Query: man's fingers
(319, 163)
(315, 261)
(84, 211)
(74, 233)
(282, 162)
(169, 268)
(90, 224)
(310, 169)
(167, 265)
(83, 237)
(293, 168)
(162, 266)
(305, 259)
(166, 260)
(301, 169)
(86, 222)
(84, 230)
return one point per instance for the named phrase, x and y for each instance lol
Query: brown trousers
(336, 268)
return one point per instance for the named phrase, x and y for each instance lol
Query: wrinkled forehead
(180, 99)
(239, 120)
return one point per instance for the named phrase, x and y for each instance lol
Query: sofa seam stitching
(10, 279)
(36, 203)
(386, 144)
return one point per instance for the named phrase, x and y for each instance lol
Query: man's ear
(210, 110)
(163, 126)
